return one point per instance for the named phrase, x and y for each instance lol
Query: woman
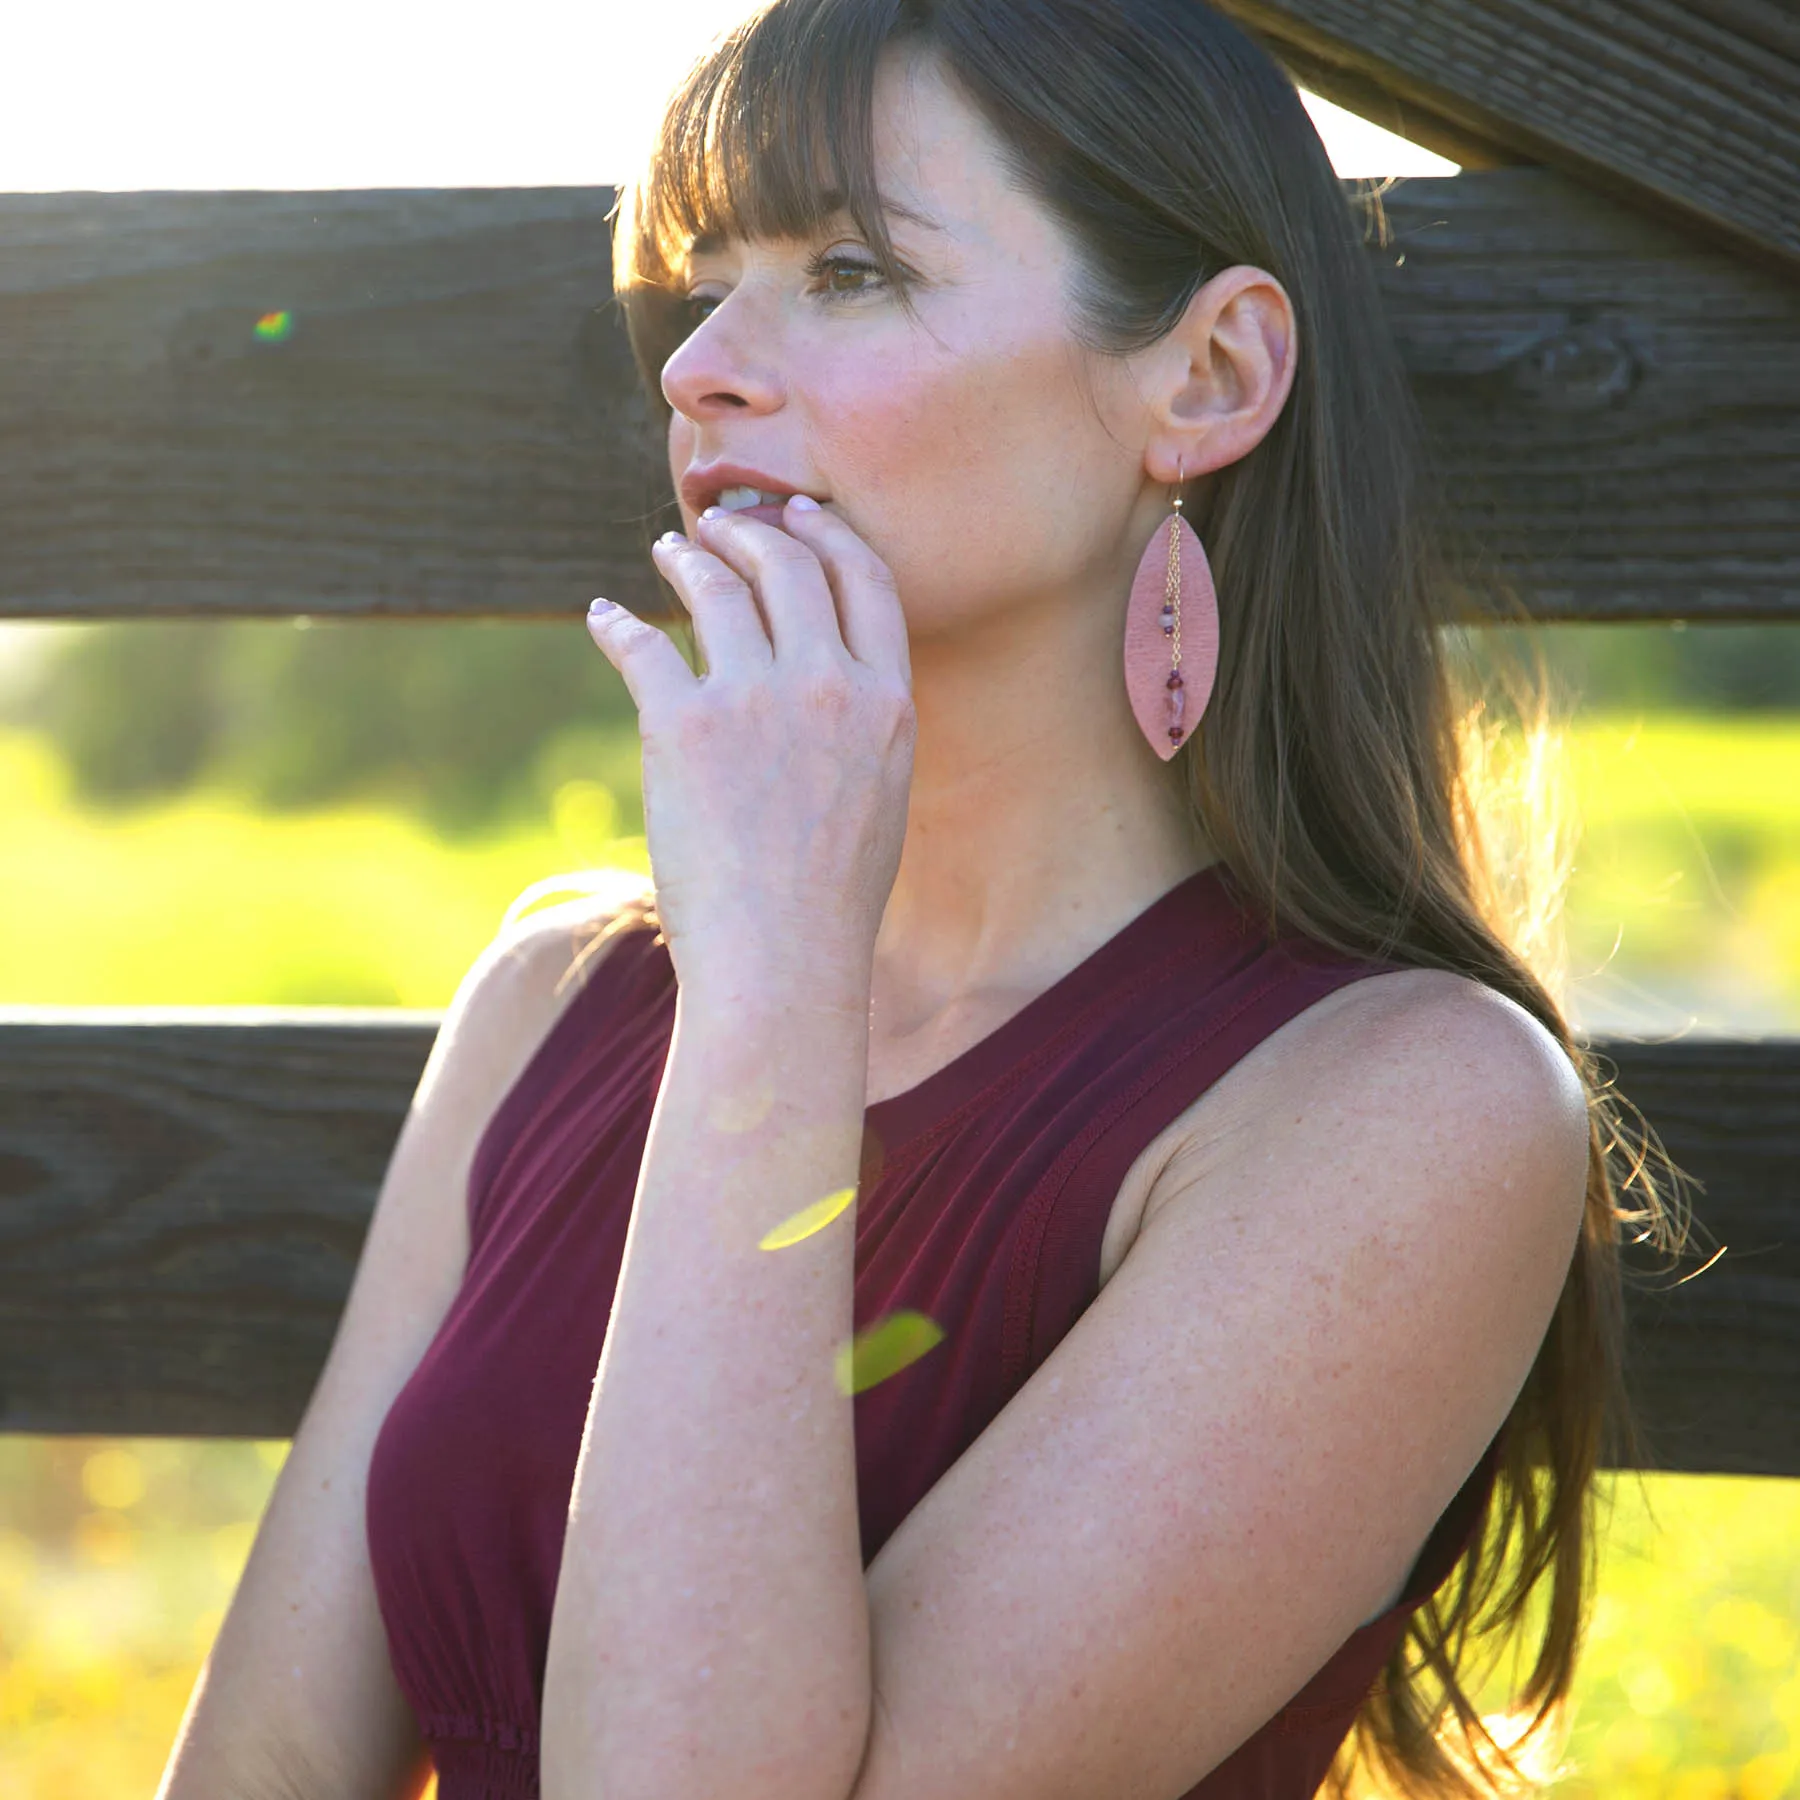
(1072, 968)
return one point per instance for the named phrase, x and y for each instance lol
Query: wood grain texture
(449, 426)
(1615, 407)
(1716, 1360)
(1687, 107)
(183, 1200)
(452, 425)
(182, 1205)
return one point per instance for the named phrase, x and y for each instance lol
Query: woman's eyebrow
(832, 205)
(834, 201)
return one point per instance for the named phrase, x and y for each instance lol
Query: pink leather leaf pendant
(1157, 705)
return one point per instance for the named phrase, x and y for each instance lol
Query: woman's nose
(722, 367)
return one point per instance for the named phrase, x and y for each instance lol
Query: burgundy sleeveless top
(985, 1193)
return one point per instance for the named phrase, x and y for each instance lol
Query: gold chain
(1173, 595)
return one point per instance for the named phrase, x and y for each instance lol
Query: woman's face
(990, 461)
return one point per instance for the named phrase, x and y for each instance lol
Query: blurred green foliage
(1684, 907)
(1689, 668)
(451, 719)
(454, 721)
(203, 900)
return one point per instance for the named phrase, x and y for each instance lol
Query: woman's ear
(1230, 364)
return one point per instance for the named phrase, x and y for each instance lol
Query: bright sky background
(120, 94)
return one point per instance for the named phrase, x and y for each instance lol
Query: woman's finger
(786, 576)
(719, 601)
(873, 625)
(654, 671)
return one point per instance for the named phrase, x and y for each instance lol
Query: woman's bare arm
(297, 1700)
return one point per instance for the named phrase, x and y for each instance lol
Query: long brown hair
(1349, 765)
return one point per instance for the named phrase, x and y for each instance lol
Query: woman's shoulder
(542, 956)
(1434, 1050)
(1431, 1022)
(550, 937)
(1458, 1031)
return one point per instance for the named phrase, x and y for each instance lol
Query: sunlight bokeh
(1690, 1687)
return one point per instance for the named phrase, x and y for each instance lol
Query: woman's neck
(1022, 858)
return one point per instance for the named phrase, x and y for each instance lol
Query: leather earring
(1171, 634)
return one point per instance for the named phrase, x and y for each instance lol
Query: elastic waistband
(484, 1767)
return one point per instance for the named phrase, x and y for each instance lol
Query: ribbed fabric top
(984, 1195)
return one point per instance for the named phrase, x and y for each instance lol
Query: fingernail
(601, 606)
(713, 512)
(669, 540)
(802, 503)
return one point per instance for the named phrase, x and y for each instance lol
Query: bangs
(770, 136)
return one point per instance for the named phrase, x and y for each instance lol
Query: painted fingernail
(669, 540)
(802, 503)
(601, 606)
(714, 512)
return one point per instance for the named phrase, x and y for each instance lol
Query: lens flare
(885, 1348)
(807, 1220)
(275, 327)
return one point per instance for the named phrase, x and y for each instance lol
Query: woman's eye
(836, 276)
(829, 268)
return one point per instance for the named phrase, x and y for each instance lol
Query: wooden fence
(420, 403)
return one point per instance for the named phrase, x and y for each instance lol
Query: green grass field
(1685, 903)
(204, 903)
(117, 1558)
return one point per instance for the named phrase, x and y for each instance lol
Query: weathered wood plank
(1716, 1360)
(182, 1205)
(1618, 411)
(448, 426)
(1688, 107)
(452, 425)
(183, 1198)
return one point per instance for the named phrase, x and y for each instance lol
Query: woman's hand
(775, 785)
